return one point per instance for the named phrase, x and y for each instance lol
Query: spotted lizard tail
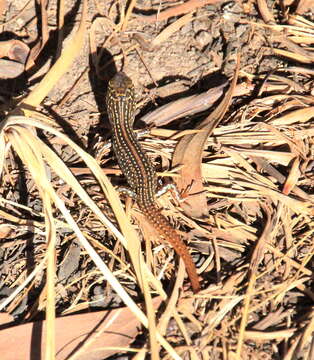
(161, 224)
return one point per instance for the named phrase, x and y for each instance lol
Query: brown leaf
(116, 328)
(189, 152)
(184, 8)
(186, 106)
(304, 6)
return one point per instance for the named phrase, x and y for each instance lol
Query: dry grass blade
(171, 29)
(128, 15)
(35, 51)
(51, 273)
(60, 27)
(19, 127)
(299, 115)
(264, 336)
(60, 66)
(256, 258)
(292, 178)
(293, 56)
(37, 168)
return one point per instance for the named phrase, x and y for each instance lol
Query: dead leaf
(293, 177)
(189, 153)
(186, 106)
(102, 329)
(188, 6)
(304, 6)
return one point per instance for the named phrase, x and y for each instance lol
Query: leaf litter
(247, 180)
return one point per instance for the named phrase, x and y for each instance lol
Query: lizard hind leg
(178, 196)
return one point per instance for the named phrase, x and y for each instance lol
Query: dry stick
(269, 335)
(60, 28)
(128, 14)
(307, 334)
(152, 328)
(265, 13)
(297, 69)
(217, 259)
(286, 217)
(171, 304)
(67, 95)
(146, 67)
(45, 36)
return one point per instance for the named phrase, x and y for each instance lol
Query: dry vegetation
(225, 95)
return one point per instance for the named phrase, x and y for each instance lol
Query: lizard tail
(161, 224)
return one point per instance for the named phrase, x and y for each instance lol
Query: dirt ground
(249, 218)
